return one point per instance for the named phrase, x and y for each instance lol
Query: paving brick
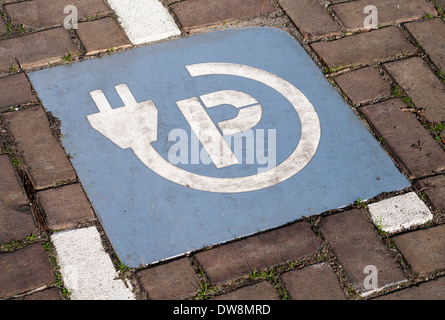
(364, 48)
(357, 245)
(389, 12)
(46, 161)
(317, 282)
(429, 34)
(15, 216)
(169, 281)
(11, 190)
(434, 188)
(86, 268)
(102, 35)
(65, 207)
(16, 224)
(36, 49)
(431, 290)
(24, 270)
(260, 291)
(43, 14)
(421, 85)
(363, 85)
(408, 140)
(15, 90)
(195, 14)
(313, 21)
(7, 62)
(424, 249)
(258, 252)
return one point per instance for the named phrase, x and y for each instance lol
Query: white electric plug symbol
(133, 122)
(135, 126)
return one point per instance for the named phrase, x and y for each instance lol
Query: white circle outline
(300, 157)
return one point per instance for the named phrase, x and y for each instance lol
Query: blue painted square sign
(194, 141)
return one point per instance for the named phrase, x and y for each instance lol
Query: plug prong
(126, 95)
(100, 100)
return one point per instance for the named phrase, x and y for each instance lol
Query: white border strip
(144, 21)
(87, 270)
(400, 212)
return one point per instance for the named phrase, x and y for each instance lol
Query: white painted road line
(144, 21)
(400, 212)
(87, 270)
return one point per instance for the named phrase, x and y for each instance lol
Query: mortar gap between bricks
(334, 17)
(297, 34)
(39, 213)
(204, 288)
(51, 252)
(17, 244)
(77, 41)
(198, 268)
(328, 256)
(346, 34)
(281, 289)
(30, 31)
(18, 107)
(19, 164)
(167, 5)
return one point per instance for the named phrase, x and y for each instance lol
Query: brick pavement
(393, 77)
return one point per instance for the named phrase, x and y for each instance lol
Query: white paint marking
(212, 141)
(246, 118)
(125, 126)
(87, 270)
(144, 21)
(101, 101)
(129, 127)
(400, 212)
(237, 99)
(126, 95)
